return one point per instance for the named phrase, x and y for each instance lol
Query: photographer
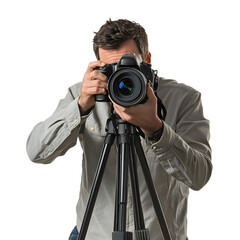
(177, 149)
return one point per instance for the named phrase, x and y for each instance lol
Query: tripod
(128, 144)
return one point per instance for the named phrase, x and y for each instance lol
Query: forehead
(114, 55)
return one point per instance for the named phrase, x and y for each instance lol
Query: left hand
(142, 115)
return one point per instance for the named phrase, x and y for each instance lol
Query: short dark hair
(114, 33)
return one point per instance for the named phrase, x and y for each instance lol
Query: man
(177, 149)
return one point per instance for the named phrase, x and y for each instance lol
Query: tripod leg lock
(122, 236)
(142, 234)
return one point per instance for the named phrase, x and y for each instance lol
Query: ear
(148, 58)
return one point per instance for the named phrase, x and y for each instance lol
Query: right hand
(94, 82)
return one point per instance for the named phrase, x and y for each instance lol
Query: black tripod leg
(123, 186)
(120, 232)
(151, 188)
(96, 185)
(138, 213)
(140, 231)
(115, 228)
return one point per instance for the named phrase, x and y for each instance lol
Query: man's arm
(185, 153)
(54, 136)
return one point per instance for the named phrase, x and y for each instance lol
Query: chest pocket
(96, 122)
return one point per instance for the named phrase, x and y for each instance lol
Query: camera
(127, 81)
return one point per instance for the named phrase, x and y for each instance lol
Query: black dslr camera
(127, 81)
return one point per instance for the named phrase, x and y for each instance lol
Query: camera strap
(161, 110)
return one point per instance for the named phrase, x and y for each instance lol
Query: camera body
(127, 81)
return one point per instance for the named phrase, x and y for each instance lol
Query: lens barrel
(127, 87)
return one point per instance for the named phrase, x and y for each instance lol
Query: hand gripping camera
(127, 81)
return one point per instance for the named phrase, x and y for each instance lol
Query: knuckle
(95, 72)
(124, 110)
(128, 118)
(85, 91)
(91, 64)
(104, 77)
(97, 82)
(102, 90)
(91, 75)
(95, 89)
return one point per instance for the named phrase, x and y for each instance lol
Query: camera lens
(126, 87)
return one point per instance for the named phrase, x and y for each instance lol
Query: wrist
(155, 127)
(84, 108)
(155, 137)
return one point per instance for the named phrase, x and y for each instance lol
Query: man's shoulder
(172, 87)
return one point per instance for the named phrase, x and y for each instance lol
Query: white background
(45, 47)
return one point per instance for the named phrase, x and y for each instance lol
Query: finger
(121, 109)
(117, 110)
(93, 65)
(149, 90)
(116, 106)
(96, 74)
(96, 83)
(95, 90)
(150, 94)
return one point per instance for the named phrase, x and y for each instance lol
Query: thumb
(150, 93)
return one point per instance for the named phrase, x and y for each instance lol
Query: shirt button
(154, 148)
(92, 129)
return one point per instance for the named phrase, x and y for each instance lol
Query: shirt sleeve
(54, 136)
(185, 153)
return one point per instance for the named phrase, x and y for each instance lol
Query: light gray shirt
(180, 160)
